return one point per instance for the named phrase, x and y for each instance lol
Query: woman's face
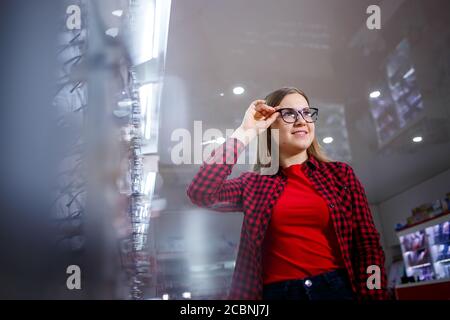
(292, 141)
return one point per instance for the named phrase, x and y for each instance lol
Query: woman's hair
(274, 99)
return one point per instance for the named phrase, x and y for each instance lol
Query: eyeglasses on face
(291, 115)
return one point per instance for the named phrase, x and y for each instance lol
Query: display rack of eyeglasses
(69, 105)
(85, 202)
(134, 249)
(103, 194)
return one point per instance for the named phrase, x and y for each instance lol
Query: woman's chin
(299, 147)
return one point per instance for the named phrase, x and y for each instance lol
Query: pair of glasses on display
(71, 191)
(135, 146)
(137, 172)
(140, 216)
(136, 106)
(291, 115)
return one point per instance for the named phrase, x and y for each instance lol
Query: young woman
(308, 232)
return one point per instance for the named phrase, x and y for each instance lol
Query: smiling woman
(308, 233)
(293, 108)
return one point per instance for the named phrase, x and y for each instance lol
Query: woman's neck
(288, 160)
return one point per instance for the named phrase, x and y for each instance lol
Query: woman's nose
(300, 121)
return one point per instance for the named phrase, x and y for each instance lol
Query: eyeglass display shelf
(426, 254)
(426, 249)
(422, 224)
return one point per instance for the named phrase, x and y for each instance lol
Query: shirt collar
(312, 163)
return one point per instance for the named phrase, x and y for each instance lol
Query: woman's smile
(301, 133)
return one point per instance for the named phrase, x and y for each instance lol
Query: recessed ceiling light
(186, 295)
(238, 90)
(417, 139)
(165, 296)
(375, 94)
(222, 94)
(327, 140)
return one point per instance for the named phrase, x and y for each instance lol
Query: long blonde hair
(274, 99)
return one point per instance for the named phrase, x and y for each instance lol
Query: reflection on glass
(400, 102)
(332, 124)
(426, 249)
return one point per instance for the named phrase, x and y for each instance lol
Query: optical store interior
(107, 107)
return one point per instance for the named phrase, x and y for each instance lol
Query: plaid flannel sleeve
(210, 187)
(366, 243)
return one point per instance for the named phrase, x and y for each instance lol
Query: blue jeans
(333, 285)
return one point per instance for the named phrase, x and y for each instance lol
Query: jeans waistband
(327, 276)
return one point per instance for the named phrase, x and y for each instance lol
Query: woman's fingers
(263, 114)
(258, 101)
(264, 109)
(252, 108)
(272, 118)
(259, 116)
(263, 106)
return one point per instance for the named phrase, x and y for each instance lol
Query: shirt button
(308, 283)
(331, 205)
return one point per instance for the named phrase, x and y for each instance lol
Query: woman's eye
(289, 114)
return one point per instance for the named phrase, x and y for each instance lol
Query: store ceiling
(324, 48)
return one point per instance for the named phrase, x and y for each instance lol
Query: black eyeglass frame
(315, 112)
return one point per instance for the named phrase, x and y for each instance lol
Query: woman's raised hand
(257, 118)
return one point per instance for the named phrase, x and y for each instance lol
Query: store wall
(398, 208)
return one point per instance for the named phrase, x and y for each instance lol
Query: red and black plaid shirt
(255, 195)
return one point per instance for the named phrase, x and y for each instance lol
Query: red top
(300, 240)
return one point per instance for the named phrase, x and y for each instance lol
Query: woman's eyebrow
(295, 108)
(300, 108)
